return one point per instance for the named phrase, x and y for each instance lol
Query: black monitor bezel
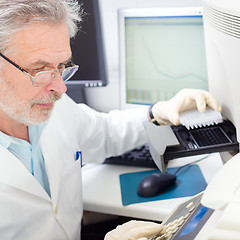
(90, 19)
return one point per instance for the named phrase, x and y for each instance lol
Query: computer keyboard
(139, 157)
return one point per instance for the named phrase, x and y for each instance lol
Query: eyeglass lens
(69, 72)
(46, 77)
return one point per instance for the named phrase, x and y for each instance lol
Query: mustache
(48, 99)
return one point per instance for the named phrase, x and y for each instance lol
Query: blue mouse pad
(190, 181)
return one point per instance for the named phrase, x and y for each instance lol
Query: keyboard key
(139, 157)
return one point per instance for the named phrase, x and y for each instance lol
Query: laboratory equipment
(222, 31)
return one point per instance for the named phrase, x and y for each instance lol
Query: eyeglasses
(45, 77)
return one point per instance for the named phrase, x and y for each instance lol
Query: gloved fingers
(146, 229)
(166, 113)
(204, 99)
(184, 100)
(134, 230)
(201, 102)
(120, 230)
(212, 102)
(188, 99)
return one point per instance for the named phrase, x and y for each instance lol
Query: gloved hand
(167, 112)
(134, 230)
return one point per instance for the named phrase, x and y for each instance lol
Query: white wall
(107, 98)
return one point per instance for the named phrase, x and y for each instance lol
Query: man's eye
(68, 64)
(61, 67)
(38, 69)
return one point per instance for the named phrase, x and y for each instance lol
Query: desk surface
(102, 193)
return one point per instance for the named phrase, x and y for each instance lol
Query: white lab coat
(26, 210)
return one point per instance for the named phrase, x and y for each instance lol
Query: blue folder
(190, 181)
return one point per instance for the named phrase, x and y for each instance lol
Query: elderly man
(40, 180)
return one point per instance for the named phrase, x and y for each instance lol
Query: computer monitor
(88, 49)
(222, 40)
(161, 52)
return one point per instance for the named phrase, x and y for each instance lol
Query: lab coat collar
(15, 174)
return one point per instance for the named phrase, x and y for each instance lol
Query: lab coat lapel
(51, 152)
(15, 174)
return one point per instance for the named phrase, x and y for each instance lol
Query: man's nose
(57, 84)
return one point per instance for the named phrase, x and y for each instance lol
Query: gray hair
(17, 14)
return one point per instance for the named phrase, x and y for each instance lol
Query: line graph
(163, 61)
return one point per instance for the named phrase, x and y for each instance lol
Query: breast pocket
(72, 183)
(70, 198)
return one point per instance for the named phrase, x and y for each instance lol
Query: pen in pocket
(79, 156)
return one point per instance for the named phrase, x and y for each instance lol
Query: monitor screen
(87, 49)
(162, 51)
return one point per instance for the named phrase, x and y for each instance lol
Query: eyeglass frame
(27, 73)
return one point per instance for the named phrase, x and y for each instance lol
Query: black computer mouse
(155, 184)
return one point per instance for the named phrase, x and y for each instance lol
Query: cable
(190, 164)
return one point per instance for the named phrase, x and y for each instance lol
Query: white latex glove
(167, 112)
(134, 230)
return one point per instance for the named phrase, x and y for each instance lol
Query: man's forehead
(42, 41)
(41, 62)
